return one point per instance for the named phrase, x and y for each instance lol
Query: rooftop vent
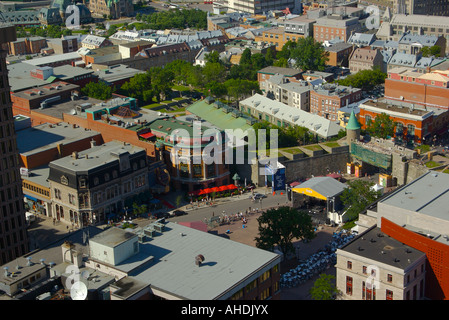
(199, 259)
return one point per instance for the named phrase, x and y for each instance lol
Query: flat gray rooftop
(45, 136)
(429, 195)
(226, 263)
(96, 156)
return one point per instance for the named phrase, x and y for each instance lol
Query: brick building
(413, 124)
(41, 97)
(430, 89)
(263, 75)
(327, 99)
(335, 26)
(338, 54)
(23, 46)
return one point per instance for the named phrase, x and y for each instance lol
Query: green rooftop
(219, 115)
(353, 123)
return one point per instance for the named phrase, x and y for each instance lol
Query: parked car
(177, 213)
(259, 196)
(160, 215)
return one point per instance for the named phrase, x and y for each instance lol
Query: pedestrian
(54, 221)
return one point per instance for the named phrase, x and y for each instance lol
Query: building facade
(116, 9)
(366, 59)
(182, 150)
(13, 234)
(327, 99)
(89, 185)
(377, 267)
(335, 26)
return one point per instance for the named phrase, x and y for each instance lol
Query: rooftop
(98, 155)
(287, 72)
(226, 263)
(427, 195)
(47, 136)
(378, 246)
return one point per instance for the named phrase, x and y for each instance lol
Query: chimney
(75, 155)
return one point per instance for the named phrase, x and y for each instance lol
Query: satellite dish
(73, 112)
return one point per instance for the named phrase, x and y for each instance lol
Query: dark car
(177, 213)
(160, 215)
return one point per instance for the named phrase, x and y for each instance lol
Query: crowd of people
(317, 262)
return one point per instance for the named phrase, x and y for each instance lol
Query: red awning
(146, 135)
(222, 188)
(215, 189)
(294, 184)
(231, 187)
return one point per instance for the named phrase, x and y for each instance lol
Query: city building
(295, 94)
(301, 26)
(415, 24)
(95, 42)
(14, 237)
(414, 123)
(88, 185)
(266, 73)
(327, 99)
(376, 266)
(254, 7)
(282, 115)
(41, 97)
(24, 46)
(65, 44)
(430, 89)
(335, 26)
(71, 58)
(113, 9)
(412, 43)
(338, 54)
(415, 215)
(423, 7)
(38, 146)
(366, 59)
(189, 170)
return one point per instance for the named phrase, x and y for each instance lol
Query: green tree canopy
(309, 54)
(364, 79)
(97, 90)
(358, 196)
(382, 126)
(431, 51)
(324, 288)
(279, 227)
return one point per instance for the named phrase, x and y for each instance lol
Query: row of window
(35, 189)
(265, 293)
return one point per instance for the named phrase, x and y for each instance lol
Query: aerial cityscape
(238, 150)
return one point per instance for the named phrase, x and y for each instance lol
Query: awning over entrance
(146, 135)
(322, 188)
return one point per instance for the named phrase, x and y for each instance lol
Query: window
(265, 276)
(349, 286)
(265, 294)
(389, 278)
(349, 264)
(238, 295)
(389, 295)
(251, 286)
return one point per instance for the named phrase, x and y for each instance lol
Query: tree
(97, 90)
(431, 51)
(382, 126)
(324, 288)
(281, 226)
(364, 79)
(309, 54)
(139, 87)
(357, 197)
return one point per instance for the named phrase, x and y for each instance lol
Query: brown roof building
(365, 59)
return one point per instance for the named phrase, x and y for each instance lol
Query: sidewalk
(43, 231)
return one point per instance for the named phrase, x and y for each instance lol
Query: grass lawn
(432, 164)
(291, 150)
(331, 144)
(314, 147)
